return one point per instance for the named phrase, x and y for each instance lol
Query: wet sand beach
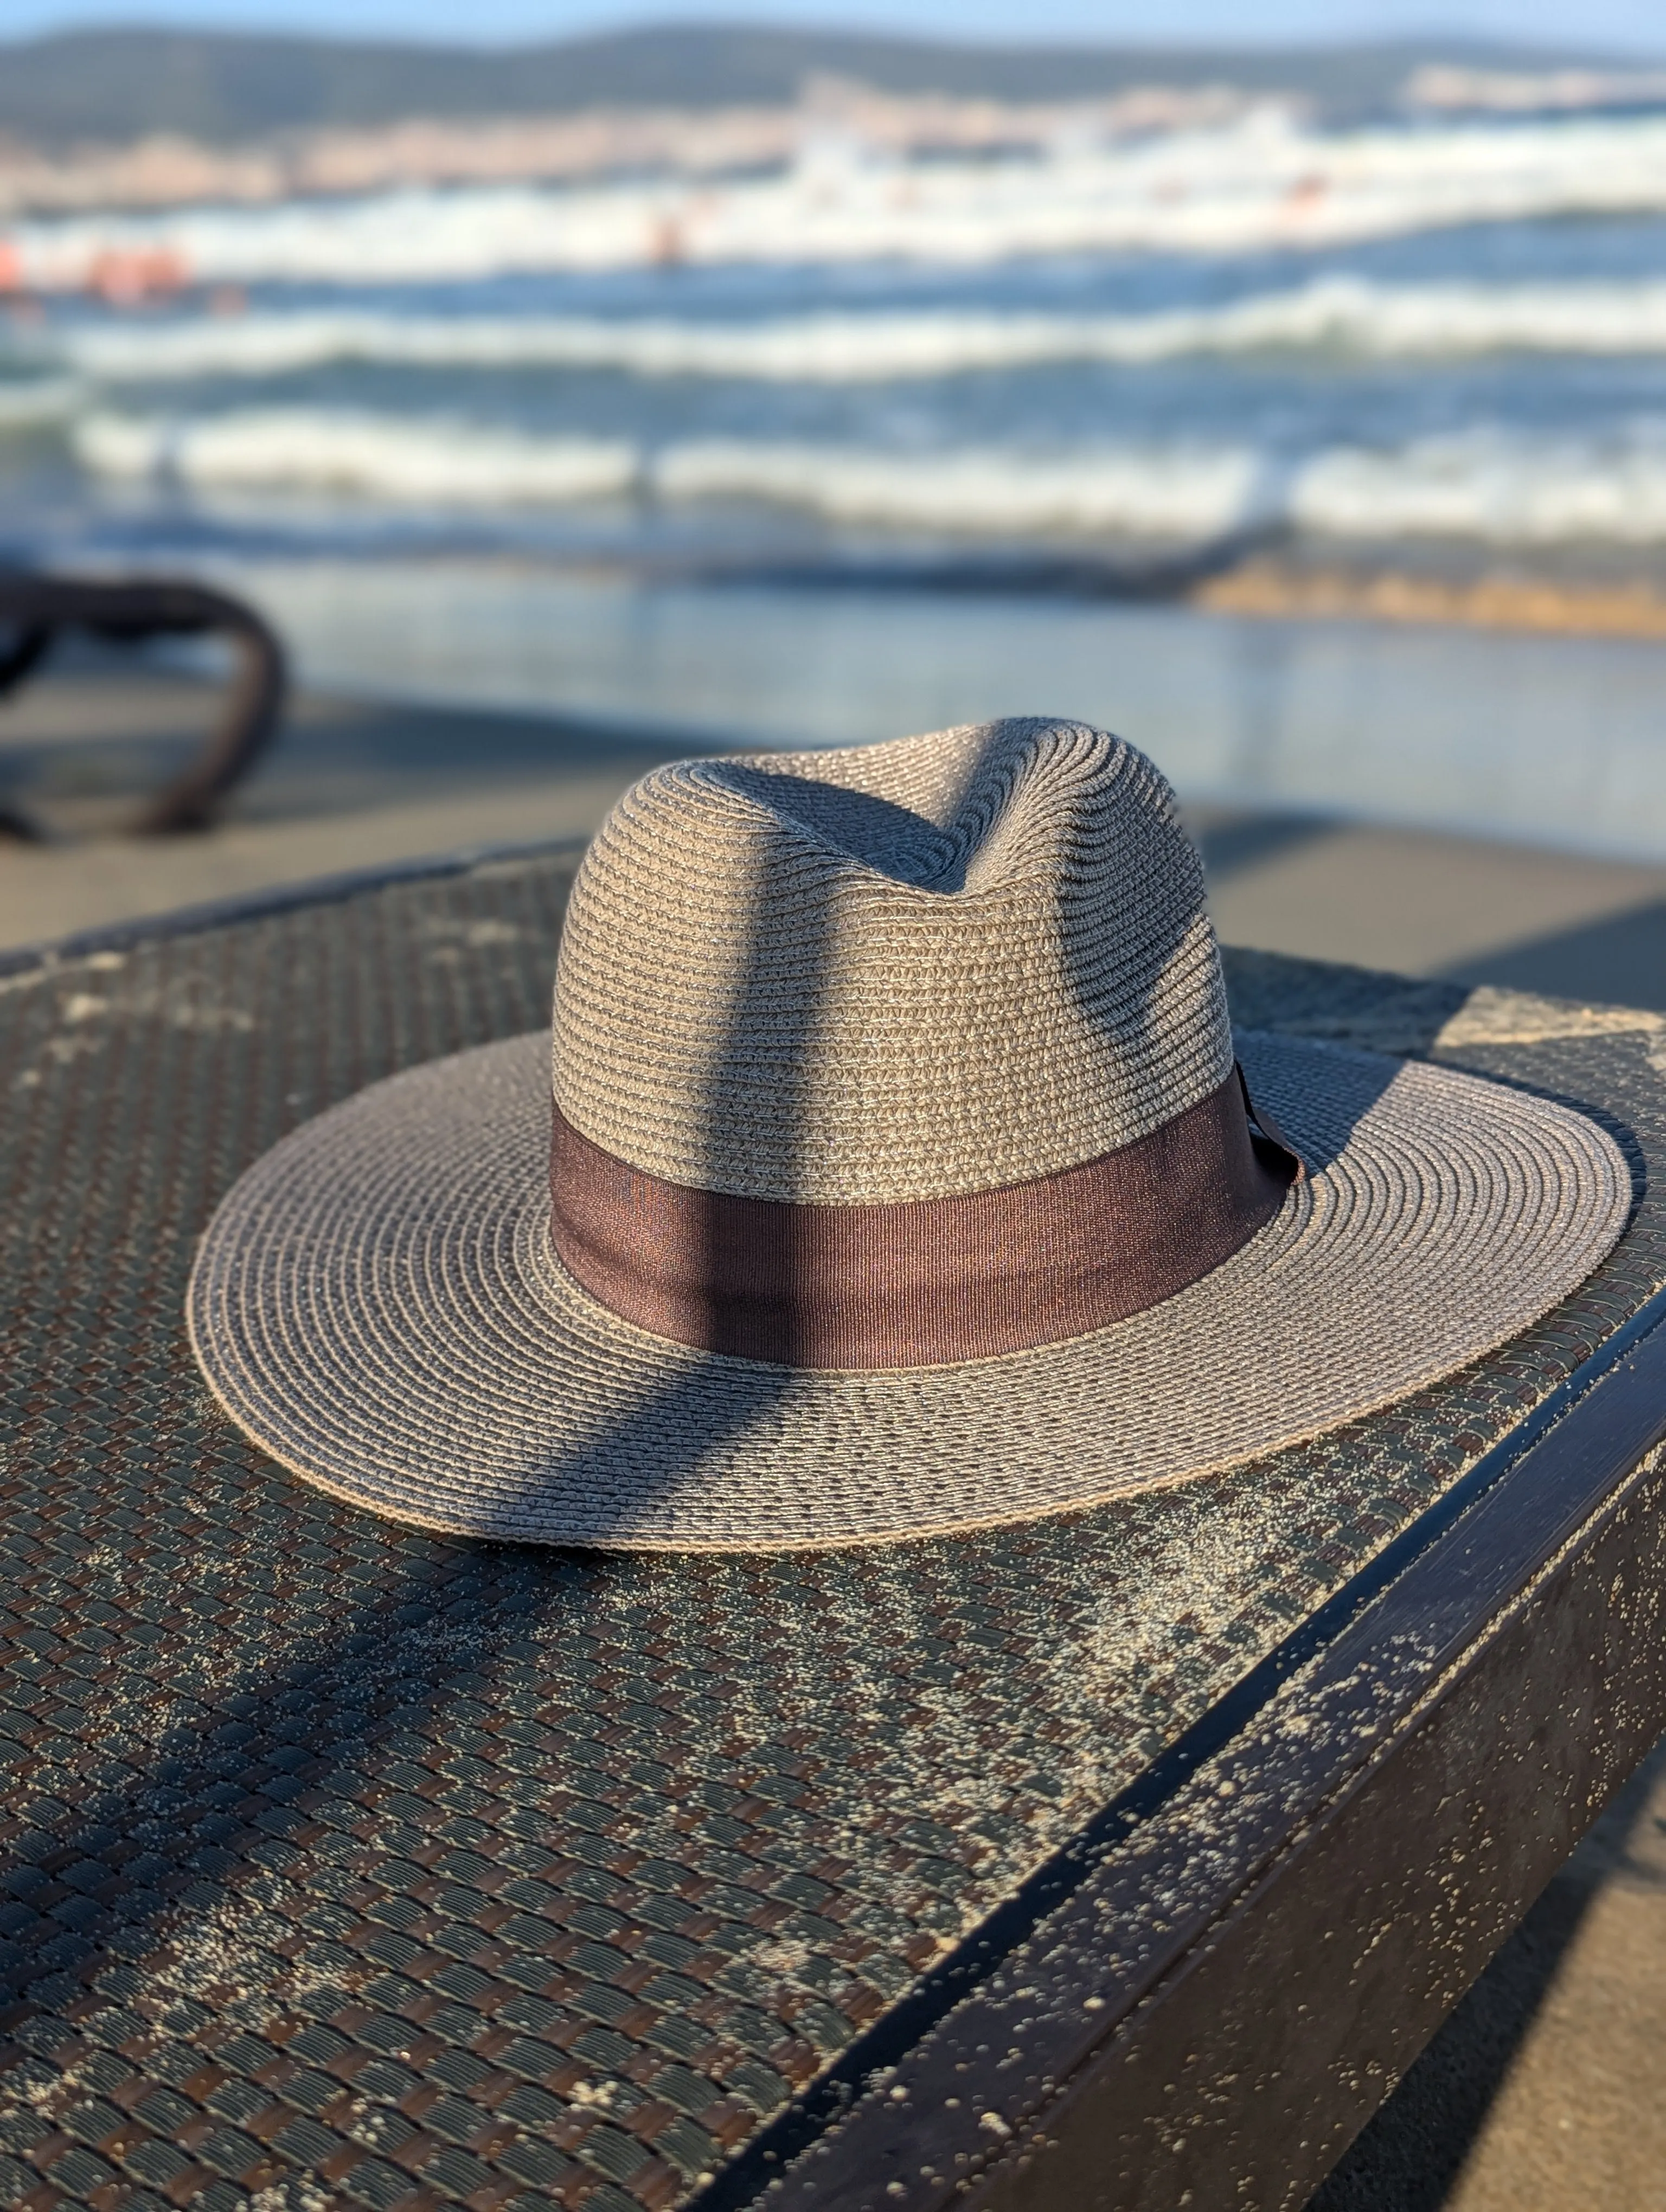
(349, 785)
(355, 782)
(1475, 596)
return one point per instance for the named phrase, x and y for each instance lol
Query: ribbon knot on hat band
(920, 1282)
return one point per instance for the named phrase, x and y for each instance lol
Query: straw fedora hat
(900, 1176)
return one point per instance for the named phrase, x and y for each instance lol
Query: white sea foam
(27, 404)
(1341, 313)
(1179, 492)
(1482, 484)
(1261, 183)
(380, 457)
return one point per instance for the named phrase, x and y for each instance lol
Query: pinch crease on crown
(889, 972)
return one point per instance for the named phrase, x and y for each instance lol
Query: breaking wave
(1503, 489)
(1264, 183)
(1338, 314)
(1486, 485)
(380, 457)
(27, 404)
(1181, 491)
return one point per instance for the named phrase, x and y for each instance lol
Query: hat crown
(889, 972)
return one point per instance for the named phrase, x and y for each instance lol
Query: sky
(1636, 26)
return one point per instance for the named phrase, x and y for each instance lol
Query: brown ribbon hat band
(920, 1282)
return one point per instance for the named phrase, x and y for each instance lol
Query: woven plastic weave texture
(341, 1864)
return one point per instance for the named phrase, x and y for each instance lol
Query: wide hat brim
(377, 1304)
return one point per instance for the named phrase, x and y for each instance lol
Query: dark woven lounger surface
(345, 1863)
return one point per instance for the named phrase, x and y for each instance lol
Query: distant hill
(116, 85)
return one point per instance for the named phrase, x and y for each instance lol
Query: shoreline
(1523, 734)
(1539, 730)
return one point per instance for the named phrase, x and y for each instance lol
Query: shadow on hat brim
(376, 1304)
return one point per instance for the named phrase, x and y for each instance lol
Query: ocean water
(1433, 342)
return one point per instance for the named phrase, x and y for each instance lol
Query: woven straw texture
(927, 967)
(349, 1866)
(896, 971)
